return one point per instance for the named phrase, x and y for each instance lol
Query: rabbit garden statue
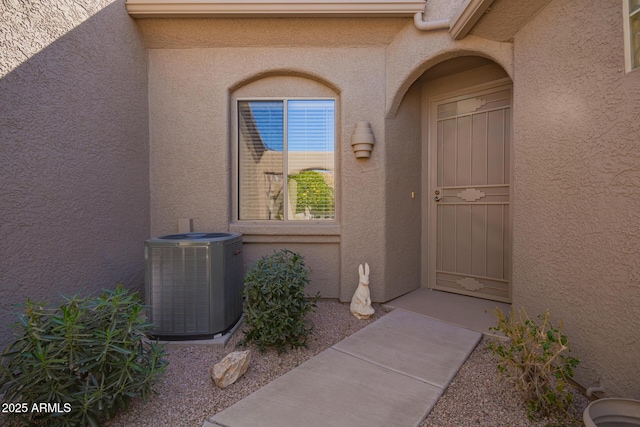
(361, 301)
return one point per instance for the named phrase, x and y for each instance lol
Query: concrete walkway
(389, 373)
(468, 312)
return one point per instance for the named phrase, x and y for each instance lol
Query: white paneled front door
(470, 192)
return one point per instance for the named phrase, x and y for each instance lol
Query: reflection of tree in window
(315, 192)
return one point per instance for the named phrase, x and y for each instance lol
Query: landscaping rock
(230, 368)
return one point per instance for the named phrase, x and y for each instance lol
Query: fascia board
(466, 17)
(279, 8)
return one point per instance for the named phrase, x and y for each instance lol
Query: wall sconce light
(362, 140)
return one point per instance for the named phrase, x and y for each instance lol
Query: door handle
(438, 196)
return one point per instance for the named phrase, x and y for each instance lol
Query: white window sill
(273, 8)
(632, 70)
(290, 231)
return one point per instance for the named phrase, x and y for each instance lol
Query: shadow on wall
(74, 146)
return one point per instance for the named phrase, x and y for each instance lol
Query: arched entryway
(463, 116)
(466, 178)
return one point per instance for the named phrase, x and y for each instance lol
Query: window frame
(628, 44)
(288, 222)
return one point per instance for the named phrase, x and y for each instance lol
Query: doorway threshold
(472, 313)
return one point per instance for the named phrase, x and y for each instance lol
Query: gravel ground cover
(187, 395)
(477, 396)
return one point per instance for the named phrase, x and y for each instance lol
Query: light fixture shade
(362, 140)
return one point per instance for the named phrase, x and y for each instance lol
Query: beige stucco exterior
(577, 186)
(74, 175)
(575, 163)
(337, 54)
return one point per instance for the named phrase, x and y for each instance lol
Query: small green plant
(274, 301)
(535, 358)
(83, 360)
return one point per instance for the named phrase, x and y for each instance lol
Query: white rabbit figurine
(361, 301)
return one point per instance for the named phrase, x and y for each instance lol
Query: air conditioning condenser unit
(193, 284)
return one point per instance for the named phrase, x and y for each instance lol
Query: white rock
(230, 368)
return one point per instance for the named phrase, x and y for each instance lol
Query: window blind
(310, 165)
(293, 135)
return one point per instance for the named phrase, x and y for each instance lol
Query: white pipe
(422, 25)
(592, 390)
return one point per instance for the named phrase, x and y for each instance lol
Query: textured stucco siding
(196, 68)
(577, 187)
(191, 129)
(412, 52)
(111, 131)
(74, 192)
(403, 217)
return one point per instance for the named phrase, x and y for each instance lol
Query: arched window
(286, 162)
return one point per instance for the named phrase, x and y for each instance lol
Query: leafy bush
(88, 356)
(535, 359)
(274, 302)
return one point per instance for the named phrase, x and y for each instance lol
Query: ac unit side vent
(193, 284)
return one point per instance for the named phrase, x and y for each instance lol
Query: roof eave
(466, 17)
(279, 8)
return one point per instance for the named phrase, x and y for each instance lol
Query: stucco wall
(191, 138)
(403, 217)
(73, 151)
(577, 186)
(412, 52)
(370, 64)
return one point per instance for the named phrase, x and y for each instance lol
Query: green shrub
(534, 358)
(88, 356)
(274, 302)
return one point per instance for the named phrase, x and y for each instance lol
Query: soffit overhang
(466, 17)
(272, 8)
(496, 20)
(502, 19)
